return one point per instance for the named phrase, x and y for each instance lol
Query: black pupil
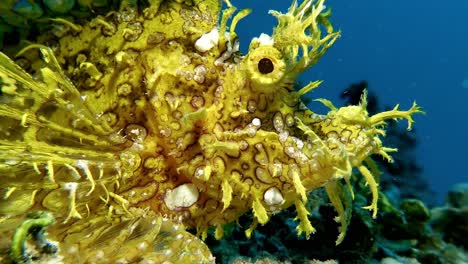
(265, 66)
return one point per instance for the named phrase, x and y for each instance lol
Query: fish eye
(265, 65)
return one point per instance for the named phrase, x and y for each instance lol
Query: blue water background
(407, 51)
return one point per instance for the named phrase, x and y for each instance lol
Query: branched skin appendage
(351, 136)
(138, 126)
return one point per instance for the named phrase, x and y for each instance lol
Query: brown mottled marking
(197, 101)
(155, 38)
(263, 176)
(261, 157)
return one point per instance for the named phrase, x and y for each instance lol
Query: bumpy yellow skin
(137, 126)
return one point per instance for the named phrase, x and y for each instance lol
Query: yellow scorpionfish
(119, 134)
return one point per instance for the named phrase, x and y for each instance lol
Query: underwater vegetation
(121, 132)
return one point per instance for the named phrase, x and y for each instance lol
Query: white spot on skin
(184, 195)
(273, 197)
(135, 133)
(291, 152)
(200, 72)
(299, 143)
(83, 164)
(264, 40)
(207, 41)
(199, 172)
(70, 186)
(251, 131)
(256, 122)
(142, 246)
(231, 49)
(165, 132)
(219, 92)
(283, 136)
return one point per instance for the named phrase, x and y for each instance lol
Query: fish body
(140, 124)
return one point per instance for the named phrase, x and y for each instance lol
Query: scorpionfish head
(260, 155)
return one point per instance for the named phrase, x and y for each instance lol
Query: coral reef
(120, 133)
(451, 220)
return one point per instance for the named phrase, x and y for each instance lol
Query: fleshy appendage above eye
(265, 66)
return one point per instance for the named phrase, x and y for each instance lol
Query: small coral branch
(33, 227)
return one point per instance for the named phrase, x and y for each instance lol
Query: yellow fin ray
(373, 187)
(227, 193)
(300, 189)
(304, 224)
(334, 190)
(259, 211)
